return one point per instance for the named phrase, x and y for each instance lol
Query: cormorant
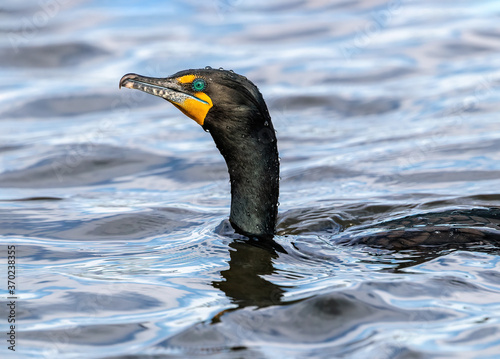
(232, 109)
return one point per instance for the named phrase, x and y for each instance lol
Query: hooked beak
(167, 88)
(171, 90)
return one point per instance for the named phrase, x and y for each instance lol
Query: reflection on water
(244, 282)
(387, 119)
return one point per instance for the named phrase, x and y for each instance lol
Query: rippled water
(112, 198)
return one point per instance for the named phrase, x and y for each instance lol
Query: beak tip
(124, 81)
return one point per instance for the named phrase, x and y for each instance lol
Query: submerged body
(232, 109)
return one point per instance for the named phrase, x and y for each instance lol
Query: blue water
(112, 197)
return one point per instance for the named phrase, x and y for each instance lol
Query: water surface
(112, 198)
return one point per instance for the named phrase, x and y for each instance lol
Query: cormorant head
(213, 98)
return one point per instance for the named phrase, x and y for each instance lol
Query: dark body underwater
(232, 109)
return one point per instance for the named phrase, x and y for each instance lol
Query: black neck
(251, 155)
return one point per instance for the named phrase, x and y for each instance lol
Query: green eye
(199, 85)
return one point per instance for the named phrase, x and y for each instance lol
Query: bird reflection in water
(244, 282)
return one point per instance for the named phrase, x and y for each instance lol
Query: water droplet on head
(208, 68)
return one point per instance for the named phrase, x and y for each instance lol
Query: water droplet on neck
(207, 130)
(208, 68)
